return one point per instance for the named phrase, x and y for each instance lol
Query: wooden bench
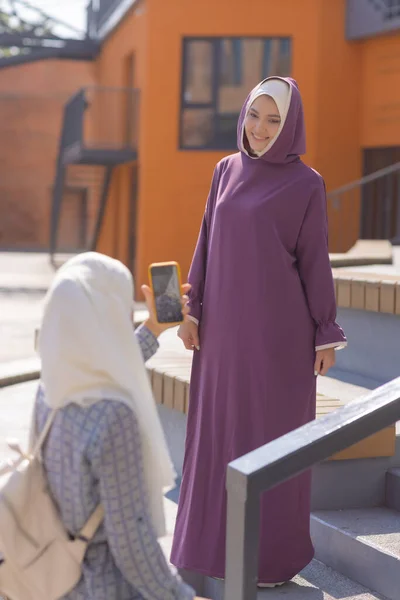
(362, 290)
(170, 377)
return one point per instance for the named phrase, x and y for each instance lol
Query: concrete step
(393, 489)
(362, 544)
(315, 582)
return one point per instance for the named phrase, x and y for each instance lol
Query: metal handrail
(251, 475)
(366, 179)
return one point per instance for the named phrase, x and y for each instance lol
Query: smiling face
(262, 123)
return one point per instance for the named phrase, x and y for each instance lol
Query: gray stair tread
(319, 582)
(379, 527)
(315, 582)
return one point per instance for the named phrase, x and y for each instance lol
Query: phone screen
(167, 294)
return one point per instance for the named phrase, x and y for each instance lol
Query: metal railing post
(242, 539)
(102, 207)
(72, 132)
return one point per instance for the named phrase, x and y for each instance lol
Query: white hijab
(280, 91)
(89, 352)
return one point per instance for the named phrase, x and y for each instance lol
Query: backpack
(40, 559)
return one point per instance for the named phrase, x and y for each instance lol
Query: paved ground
(16, 402)
(24, 280)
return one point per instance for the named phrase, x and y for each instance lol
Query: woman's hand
(189, 334)
(152, 324)
(324, 360)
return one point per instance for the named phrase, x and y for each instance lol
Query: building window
(217, 75)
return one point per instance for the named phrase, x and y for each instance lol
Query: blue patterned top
(94, 455)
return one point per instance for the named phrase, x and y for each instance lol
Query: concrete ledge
(364, 252)
(19, 371)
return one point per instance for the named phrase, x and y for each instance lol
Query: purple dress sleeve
(197, 272)
(316, 274)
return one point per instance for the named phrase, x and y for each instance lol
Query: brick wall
(32, 97)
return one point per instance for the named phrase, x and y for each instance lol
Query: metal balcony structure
(99, 132)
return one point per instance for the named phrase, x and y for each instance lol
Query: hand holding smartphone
(166, 285)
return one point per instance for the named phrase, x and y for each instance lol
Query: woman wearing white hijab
(106, 445)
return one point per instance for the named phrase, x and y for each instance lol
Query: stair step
(315, 582)
(362, 544)
(393, 489)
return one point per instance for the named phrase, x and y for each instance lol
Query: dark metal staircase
(99, 132)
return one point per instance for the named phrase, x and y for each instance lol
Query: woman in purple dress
(263, 326)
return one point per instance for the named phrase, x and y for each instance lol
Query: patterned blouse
(94, 455)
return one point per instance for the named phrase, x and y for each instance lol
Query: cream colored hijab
(89, 352)
(280, 91)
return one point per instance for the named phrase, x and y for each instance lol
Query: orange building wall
(337, 121)
(32, 97)
(335, 78)
(333, 142)
(175, 183)
(381, 92)
(129, 39)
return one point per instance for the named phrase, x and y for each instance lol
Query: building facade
(194, 70)
(32, 100)
(170, 79)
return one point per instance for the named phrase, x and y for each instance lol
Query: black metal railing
(251, 475)
(74, 114)
(103, 118)
(67, 138)
(111, 117)
(372, 201)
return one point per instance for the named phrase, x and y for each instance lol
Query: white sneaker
(260, 585)
(270, 585)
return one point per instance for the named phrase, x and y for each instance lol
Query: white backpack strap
(89, 529)
(44, 433)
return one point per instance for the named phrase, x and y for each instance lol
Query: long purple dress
(263, 293)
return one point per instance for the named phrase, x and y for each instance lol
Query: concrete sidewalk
(28, 272)
(24, 281)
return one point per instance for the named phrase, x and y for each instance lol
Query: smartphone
(165, 281)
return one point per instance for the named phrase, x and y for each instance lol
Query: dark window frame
(216, 42)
